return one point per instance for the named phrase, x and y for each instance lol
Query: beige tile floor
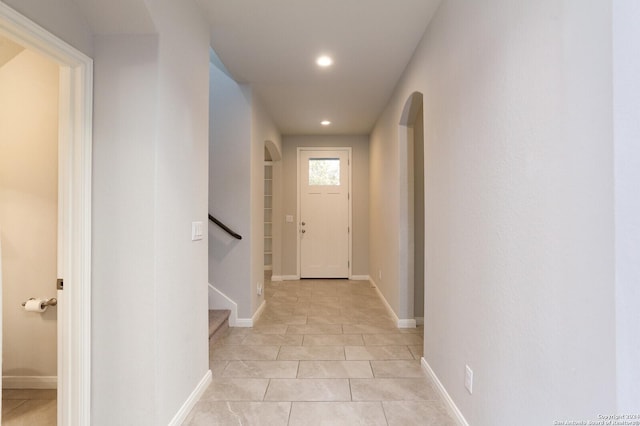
(28, 407)
(324, 352)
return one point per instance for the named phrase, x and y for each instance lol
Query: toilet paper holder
(48, 302)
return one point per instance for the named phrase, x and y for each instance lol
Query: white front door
(324, 213)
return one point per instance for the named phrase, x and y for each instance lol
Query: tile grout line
(266, 390)
(384, 412)
(290, 410)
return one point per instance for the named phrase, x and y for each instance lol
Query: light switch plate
(289, 218)
(196, 231)
(468, 379)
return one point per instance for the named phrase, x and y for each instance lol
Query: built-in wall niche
(268, 215)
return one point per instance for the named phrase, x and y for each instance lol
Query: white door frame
(350, 198)
(74, 206)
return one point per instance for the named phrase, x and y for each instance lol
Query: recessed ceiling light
(324, 61)
(325, 122)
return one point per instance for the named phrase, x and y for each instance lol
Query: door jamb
(298, 201)
(74, 173)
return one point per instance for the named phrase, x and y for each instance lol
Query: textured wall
(626, 61)
(519, 206)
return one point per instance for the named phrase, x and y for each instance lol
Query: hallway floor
(324, 352)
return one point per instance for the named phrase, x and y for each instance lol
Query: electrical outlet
(259, 286)
(468, 378)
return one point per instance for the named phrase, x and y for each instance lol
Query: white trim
(384, 301)
(419, 320)
(268, 267)
(407, 323)
(75, 142)
(29, 382)
(452, 408)
(400, 323)
(285, 277)
(298, 211)
(360, 278)
(250, 322)
(192, 400)
(244, 323)
(1, 320)
(219, 300)
(256, 316)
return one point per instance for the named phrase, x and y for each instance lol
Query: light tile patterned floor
(325, 352)
(29, 407)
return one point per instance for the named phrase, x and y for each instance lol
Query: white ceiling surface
(272, 45)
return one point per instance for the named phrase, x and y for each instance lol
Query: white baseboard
(250, 322)
(244, 323)
(219, 300)
(29, 382)
(384, 301)
(400, 323)
(419, 320)
(285, 278)
(268, 267)
(256, 316)
(360, 278)
(452, 408)
(188, 405)
(407, 323)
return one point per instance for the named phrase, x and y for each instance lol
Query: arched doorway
(411, 235)
(272, 156)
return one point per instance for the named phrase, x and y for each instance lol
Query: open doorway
(412, 207)
(72, 159)
(29, 83)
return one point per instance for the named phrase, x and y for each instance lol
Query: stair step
(218, 322)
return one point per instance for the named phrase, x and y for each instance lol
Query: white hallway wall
(149, 322)
(229, 188)
(626, 69)
(519, 206)
(239, 127)
(150, 279)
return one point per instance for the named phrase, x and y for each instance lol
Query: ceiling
(272, 45)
